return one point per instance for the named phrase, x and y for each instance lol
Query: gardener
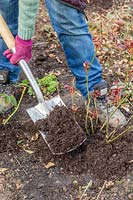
(9, 73)
(69, 22)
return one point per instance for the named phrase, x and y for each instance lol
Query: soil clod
(63, 133)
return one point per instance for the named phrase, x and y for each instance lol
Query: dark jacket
(79, 4)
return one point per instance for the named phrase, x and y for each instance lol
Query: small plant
(8, 99)
(47, 84)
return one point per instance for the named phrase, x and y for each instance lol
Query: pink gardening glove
(23, 51)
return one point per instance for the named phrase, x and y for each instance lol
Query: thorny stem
(73, 98)
(114, 131)
(88, 99)
(92, 126)
(95, 104)
(87, 84)
(111, 134)
(115, 138)
(17, 107)
(130, 119)
(107, 125)
(130, 103)
(73, 94)
(86, 117)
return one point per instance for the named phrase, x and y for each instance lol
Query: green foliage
(47, 84)
(8, 99)
(25, 83)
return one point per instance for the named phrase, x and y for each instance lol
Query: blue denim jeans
(72, 30)
(9, 10)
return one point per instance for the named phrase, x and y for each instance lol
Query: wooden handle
(6, 34)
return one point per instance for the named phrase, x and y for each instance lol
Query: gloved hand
(23, 51)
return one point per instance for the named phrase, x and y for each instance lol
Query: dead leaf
(49, 165)
(109, 184)
(19, 184)
(3, 169)
(28, 151)
(51, 55)
(58, 60)
(35, 137)
(75, 183)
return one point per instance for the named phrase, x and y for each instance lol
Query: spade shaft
(33, 84)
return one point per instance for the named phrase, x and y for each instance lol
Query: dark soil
(63, 134)
(8, 139)
(104, 161)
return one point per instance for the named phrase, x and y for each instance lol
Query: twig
(73, 94)
(20, 165)
(92, 126)
(110, 135)
(88, 97)
(95, 105)
(101, 190)
(115, 138)
(130, 119)
(17, 107)
(114, 131)
(130, 103)
(90, 182)
(107, 125)
(87, 113)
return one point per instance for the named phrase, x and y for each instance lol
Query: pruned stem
(118, 136)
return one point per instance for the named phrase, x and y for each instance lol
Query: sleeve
(27, 17)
